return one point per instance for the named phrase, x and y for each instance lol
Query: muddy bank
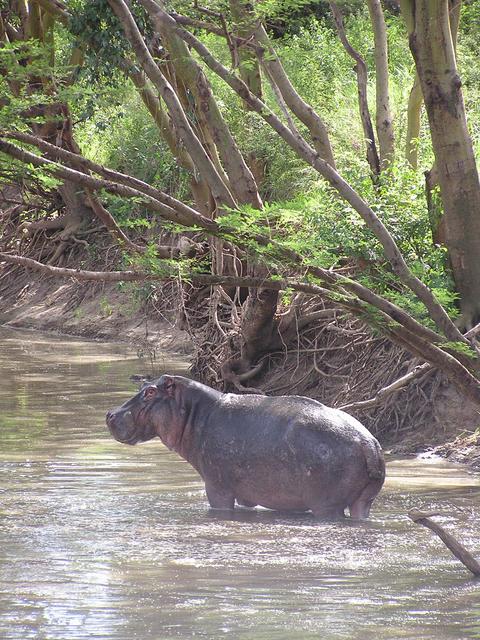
(465, 449)
(97, 311)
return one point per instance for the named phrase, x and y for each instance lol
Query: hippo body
(284, 452)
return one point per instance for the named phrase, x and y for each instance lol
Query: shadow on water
(100, 540)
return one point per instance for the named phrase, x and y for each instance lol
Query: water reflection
(99, 540)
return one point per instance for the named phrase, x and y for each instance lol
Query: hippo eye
(150, 392)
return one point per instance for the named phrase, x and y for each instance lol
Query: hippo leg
(246, 503)
(328, 512)
(219, 498)
(360, 508)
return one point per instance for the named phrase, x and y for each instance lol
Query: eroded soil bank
(426, 416)
(92, 310)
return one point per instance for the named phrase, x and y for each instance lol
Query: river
(103, 541)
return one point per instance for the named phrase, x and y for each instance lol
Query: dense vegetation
(280, 207)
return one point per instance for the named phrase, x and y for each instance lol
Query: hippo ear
(168, 385)
(150, 392)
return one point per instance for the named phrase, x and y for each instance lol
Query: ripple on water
(99, 540)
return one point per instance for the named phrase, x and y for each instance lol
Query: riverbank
(98, 311)
(465, 449)
(108, 312)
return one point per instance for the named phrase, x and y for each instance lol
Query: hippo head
(141, 418)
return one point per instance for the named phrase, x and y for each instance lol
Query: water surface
(101, 540)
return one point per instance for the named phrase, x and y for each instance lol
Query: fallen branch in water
(458, 550)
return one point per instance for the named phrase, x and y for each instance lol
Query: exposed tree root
(325, 354)
(63, 229)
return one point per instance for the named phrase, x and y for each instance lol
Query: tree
(248, 251)
(27, 31)
(433, 48)
(384, 118)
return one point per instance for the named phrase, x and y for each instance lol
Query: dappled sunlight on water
(101, 540)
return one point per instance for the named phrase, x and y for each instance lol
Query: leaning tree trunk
(362, 84)
(433, 49)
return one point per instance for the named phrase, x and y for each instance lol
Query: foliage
(289, 17)
(22, 62)
(301, 211)
(120, 133)
(98, 26)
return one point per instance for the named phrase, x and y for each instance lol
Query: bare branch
(280, 100)
(109, 221)
(304, 151)
(77, 274)
(60, 171)
(198, 24)
(85, 165)
(206, 11)
(134, 276)
(383, 393)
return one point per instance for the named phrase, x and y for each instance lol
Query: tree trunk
(362, 83)
(245, 25)
(433, 49)
(383, 117)
(415, 99)
(414, 111)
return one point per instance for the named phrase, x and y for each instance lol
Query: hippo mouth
(132, 440)
(125, 432)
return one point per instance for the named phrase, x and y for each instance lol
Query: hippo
(287, 453)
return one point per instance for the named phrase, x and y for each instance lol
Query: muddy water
(99, 540)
